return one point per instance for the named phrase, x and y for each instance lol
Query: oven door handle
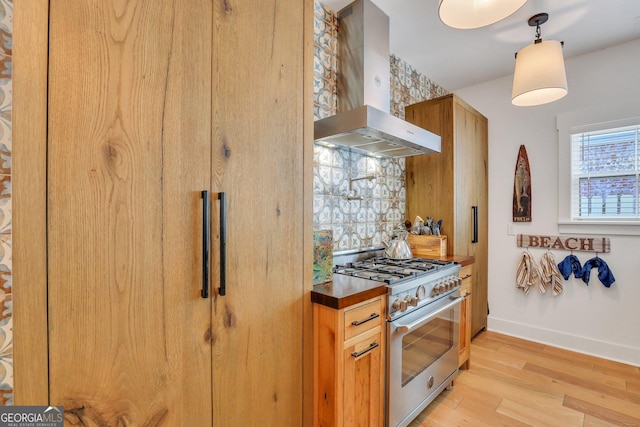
(411, 326)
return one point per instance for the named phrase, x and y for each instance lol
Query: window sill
(617, 228)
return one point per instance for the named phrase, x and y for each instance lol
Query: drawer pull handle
(466, 277)
(366, 350)
(360, 322)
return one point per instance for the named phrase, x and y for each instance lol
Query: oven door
(422, 357)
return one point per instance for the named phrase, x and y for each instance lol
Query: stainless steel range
(422, 328)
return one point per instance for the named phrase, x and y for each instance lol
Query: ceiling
(456, 59)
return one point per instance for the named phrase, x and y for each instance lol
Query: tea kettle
(398, 247)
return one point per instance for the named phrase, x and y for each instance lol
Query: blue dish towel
(571, 264)
(604, 273)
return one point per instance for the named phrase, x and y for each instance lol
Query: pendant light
(468, 14)
(539, 76)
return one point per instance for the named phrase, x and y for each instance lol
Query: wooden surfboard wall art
(522, 188)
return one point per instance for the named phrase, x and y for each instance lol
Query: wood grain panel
(552, 416)
(258, 160)
(348, 391)
(591, 421)
(129, 128)
(448, 184)
(465, 332)
(29, 188)
(363, 382)
(602, 413)
(430, 178)
(307, 261)
(328, 343)
(479, 310)
(596, 382)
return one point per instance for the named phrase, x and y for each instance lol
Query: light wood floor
(513, 382)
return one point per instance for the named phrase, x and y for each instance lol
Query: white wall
(589, 319)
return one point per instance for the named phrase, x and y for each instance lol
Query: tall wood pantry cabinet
(452, 186)
(124, 112)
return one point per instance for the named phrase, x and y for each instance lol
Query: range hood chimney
(363, 121)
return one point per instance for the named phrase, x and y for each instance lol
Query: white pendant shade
(467, 14)
(539, 75)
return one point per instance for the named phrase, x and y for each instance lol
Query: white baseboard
(603, 349)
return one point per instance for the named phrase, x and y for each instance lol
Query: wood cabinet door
(258, 160)
(481, 248)
(465, 332)
(464, 123)
(363, 382)
(128, 135)
(471, 236)
(451, 183)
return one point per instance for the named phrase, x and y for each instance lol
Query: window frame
(584, 141)
(591, 119)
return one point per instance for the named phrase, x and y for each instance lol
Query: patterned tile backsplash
(360, 212)
(360, 198)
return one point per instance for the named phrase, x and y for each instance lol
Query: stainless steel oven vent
(363, 121)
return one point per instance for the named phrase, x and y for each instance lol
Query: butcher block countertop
(345, 291)
(463, 260)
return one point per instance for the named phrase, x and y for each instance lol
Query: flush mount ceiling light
(468, 14)
(539, 75)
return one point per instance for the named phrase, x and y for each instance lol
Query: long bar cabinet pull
(206, 239)
(475, 224)
(360, 322)
(223, 244)
(366, 350)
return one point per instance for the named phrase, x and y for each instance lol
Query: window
(599, 169)
(605, 174)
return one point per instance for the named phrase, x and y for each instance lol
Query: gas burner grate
(389, 270)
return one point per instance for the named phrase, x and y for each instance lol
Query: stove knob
(439, 288)
(399, 305)
(411, 300)
(458, 281)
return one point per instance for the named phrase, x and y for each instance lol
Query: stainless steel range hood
(363, 121)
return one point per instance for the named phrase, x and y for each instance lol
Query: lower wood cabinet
(363, 387)
(465, 317)
(349, 364)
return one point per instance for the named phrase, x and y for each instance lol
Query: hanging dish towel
(604, 273)
(571, 264)
(528, 274)
(550, 273)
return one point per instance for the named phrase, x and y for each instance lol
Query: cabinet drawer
(466, 271)
(465, 287)
(362, 318)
